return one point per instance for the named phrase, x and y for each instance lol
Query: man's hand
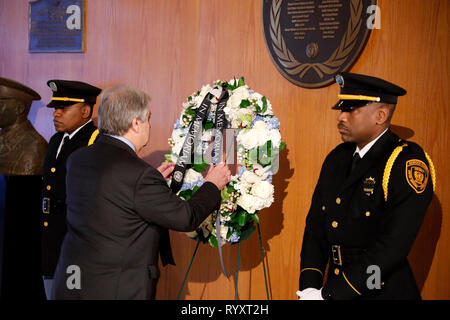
(166, 169)
(219, 175)
(310, 294)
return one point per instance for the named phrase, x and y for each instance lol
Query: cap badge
(53, 86)
(340, 80)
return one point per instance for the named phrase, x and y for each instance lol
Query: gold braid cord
(93, 137)
(388, 168)
(432, 170)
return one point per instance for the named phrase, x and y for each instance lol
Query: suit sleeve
(401, 219)
(156, 203)
(314, 255)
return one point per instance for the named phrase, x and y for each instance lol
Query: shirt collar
(124, 140)
(367, 147)
(75, 131)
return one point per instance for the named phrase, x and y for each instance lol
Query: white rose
(275, 136)
(260, 126)
(247, 202)
(237, 96)
(178, 136)
(192, 176)
(250, 177)
(249, 138)
(263, 190)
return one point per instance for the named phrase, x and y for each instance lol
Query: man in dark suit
(119, 207)
(369, 203)
(73, 102)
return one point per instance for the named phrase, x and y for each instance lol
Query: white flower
(255, 137)
(223, 232)
(176, 149)
(263, 190)
(238, 95)
(275, 136)
(192, 176)
(261, 172)
(207, 135)
(247, 202)
(250, 178)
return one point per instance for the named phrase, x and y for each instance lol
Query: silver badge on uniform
(369, 186)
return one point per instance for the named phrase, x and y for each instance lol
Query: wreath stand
(237, 267)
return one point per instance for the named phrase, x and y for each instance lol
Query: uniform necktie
(355, 161)
(64, 145)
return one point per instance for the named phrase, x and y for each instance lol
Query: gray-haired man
(118, 207)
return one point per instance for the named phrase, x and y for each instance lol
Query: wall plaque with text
(311, 40)
(57, 26)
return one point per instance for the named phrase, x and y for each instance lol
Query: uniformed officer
(73, 102)
(369, 202)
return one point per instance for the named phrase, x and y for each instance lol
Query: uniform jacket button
(48, 187)
(334, 224)
(338, 200)
(367, 213)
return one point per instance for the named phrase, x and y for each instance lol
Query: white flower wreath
(258, 144)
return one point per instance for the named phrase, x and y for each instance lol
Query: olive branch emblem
(330, 66)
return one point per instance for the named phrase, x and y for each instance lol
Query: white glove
(310, 294)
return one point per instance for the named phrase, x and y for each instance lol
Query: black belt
(341, 255)
(53, 205)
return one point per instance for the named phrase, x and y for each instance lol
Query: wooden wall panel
(170, 48)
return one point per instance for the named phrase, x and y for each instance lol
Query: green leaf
(200, 167)
(224, 193)
(244, 103)
(241, 82)
(209, 125)
(255, 217)
(242, 218)
(282, 146)
(213, 241)
(185, 194)
(264, 100)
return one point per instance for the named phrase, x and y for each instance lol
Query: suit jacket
(53, 221)
(349, 210)
(118, 207)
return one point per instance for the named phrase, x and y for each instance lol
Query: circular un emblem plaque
(311, 40)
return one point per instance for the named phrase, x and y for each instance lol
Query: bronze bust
(22, 148)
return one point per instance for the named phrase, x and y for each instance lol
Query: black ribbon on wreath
(220, 124)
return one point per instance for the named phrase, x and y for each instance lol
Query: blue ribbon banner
(57, 26)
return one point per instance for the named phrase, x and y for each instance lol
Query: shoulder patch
(417, 174)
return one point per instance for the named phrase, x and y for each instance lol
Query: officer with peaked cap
(369, 202)
(73, 102)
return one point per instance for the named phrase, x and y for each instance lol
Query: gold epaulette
(388, 168)
(93, 137)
